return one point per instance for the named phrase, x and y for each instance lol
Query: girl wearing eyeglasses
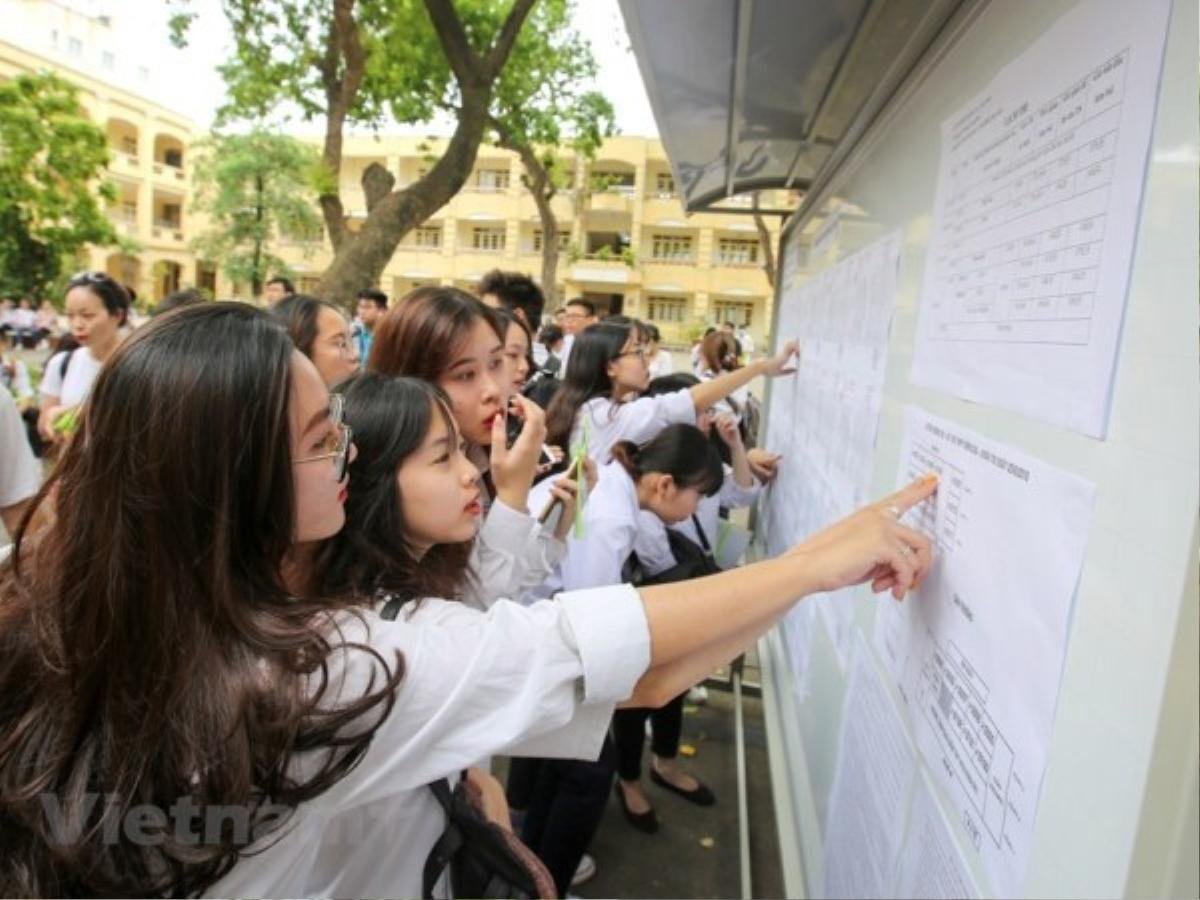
(606, 372)
(97, 308)
(321, 332)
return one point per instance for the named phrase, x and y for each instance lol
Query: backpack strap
(701, 535)
(447, 845)
(66, 364)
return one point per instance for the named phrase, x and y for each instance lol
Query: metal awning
(759, 94)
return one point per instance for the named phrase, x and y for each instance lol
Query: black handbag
(484, 860)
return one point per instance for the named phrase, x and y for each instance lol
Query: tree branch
(464, 62)
(496, 58)
(377, 183)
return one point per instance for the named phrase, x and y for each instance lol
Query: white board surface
(1141, 536)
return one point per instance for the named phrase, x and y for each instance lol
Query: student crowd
(289, 572)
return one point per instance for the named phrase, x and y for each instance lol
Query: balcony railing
(167, 169)
(168, 230)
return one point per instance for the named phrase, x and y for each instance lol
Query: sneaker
(584, 871)
(697, 695)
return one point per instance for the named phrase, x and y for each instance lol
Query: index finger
(908, 497)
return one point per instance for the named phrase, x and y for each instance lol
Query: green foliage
(52, 157)
(255, 188)
(544, 97)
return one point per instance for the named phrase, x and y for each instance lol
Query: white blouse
(638, 420)
(512, 555)
(537, 680)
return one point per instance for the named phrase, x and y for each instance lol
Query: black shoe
(647, 821)
(701, 796)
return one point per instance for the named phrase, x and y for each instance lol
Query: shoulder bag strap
(701, 535)
(447, 845)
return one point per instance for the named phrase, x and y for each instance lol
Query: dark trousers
(565, 807)
(522, 778)
(629, 732)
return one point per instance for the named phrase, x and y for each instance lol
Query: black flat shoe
(701, 796)
(646, 822)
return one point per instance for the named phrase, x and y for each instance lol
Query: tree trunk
(764, 240)
(256, 273)
(541, 186)
(361, 258)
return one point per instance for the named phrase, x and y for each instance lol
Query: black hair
(640, 327)
(653, 333)
(378, 297)
(299, 314)
(185, 297)
(586, 377)
(681, 381)
(516, 290)
(550, 335)
(670, 384)
(111, 292)
(280, 280)
(586, 304)
(681, 451)
(390, 416)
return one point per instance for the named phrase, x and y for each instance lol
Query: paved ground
(695, 851)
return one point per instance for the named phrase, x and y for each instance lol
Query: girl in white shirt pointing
(608, 369)
(179, 718)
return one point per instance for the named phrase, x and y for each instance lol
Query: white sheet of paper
(978, 652)
(824, 420)
(870, 790)
(1039, 187)
(930, 866)
(797, 634)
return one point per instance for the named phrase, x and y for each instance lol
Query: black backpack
(484, 859)
(692, 560)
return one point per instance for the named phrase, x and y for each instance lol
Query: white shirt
(476, 684)
(740, 397)
(638, 420)
(610, 524)
(75, 387)
(512, 555)
(20, 474)
(20, 386)
(23, 318)
(662, 364)
(565, 353)
(654, 549)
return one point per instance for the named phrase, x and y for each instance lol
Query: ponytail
(681, 451)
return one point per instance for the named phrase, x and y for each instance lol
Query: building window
(492, 179)
(429, 236)
(664, 184)
(74, 47)
(736, 252)
(129, 145)
(487, 238)
(666, 309)
(740, 314)
(107, 59)
(170, 215)
(671, 248)
(564, 239)
(128, 211)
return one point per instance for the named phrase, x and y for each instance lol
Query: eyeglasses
(639, 352)
(338, 443)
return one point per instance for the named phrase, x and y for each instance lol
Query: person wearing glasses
(320, 332)
(577, 316)
(608, 367)
(97, 309)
